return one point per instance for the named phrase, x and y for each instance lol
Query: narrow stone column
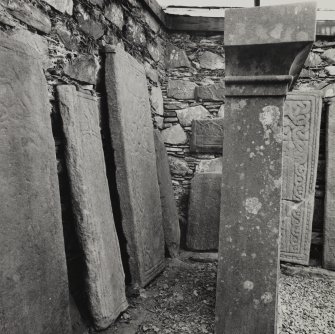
(265, 49)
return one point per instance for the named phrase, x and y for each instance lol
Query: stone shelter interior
(128, 138)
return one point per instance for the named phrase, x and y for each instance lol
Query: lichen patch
(253, 205)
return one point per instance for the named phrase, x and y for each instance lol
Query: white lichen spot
(277, 182)
(270, 118)
(253, 255)
(241, 228)
(248, 285)
(242, 176)
(253, 205)
(266, 298)
(277, 31)
(251, 155)
(229, 239)
(256, 303)
(243, 254)
(238, 105)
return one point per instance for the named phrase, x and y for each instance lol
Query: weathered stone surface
(210, 166)
(174, 135)
(83, 68)
(186, 116)
(33, 288)
(221, 111)
(156, 49)
(313, 60)
(179, 166)
(204, 212)
(6, 18)
(29, 14)
(63, 6)
(88, 24)
(156, 98)
(135, 32)
(329, 56)
(207, 135)
(169, 207)
(159, 121)
(181, 89)
(151, 22)
(66, 37)
(151, 73)
(175, 57)
(136, 173)
(330, 70)
(301, 132)
(329, 220)
(114, 13)
(329, 90)
(258, 75)
(211, 61)
(92, 206)
(99, 3)
(215, 92)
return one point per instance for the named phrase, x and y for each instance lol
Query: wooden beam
(325, 28)
(156, 10)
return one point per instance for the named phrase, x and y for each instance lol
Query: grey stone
(179, 166)
(211, 61)
(63, 6)
(159, 122)
(6, 18)
(306, 73)
(100, 3)
(330, 70)
(329, 90)
(135, 32)
(301, 132)
(215, 92)
(70, 41)
(329, 56)
(186, 116)
(83, 68)
(329, 220)
(114, 13)
(151, 73)
(136, 173)
(175, 57)
(174, 135)
(92, 206)
(169, 207)
(221, 111)
(181, 89)
(156, 49)
(210, 166)
(156, 99)
(204, 212)
(207, 136)
(33, 288)
(313, 60)
(88, 24)
(29, 14)
(151, 21)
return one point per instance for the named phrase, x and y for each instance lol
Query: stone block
(214, 92)
(63, 6)
(207, 135)
(151, 73)
(330, 70)
(89, 25)
(156, 99)
(33, 287)
(175, 57)
(135, 160)
(95, 225)
(174, 135)
(179, 166)
(211, 61)
(210, 166)
(181, 89)
(329, 56)
(156, 49)
(301, 132)
(135, 32)
(169, 207)
(187, 115)
(204, 212)
(114, 13)
(221, 111)
(313, 60)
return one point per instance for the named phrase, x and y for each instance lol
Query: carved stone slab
(301, 132)
(136, 173)
(329, 222)
(204, 212)
(207, 135)
(33, 285)
(92, 206)
(169, 207)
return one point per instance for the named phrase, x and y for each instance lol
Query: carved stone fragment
(92, 206)
(301, 132)
(136, 172)
(33, 287)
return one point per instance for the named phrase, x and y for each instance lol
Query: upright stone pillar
(265, 49)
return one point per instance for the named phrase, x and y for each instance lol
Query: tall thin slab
(136, 174)
(33, 286)
(301, 132)
(265, 50)
(329, 222)
(92, 205)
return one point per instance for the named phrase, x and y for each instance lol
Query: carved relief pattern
(301, 127)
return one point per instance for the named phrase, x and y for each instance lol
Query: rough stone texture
(211, 61)
(207, 135)
(34, 289)
(204, 212)
(135, 32)
(169, 208)
(174, 135)
(150, 72)
(186, 116)
(329, 223)
(329, 56)
(181, 89)
(92, 206)
(330, 70)
(28, 14)
(175, 57)
(114, 13)
(64, 6)
(156, 49)
(179, 166)
(301, 132)
(210, 166)
(136, 173)
(215, 92)
(313, 60)
(221, 112)
(83, 68)
(257, 79)
(156, 99)
(329, 91)
(88, 24)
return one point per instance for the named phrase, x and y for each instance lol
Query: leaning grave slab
(135, 159)
(92, 205)
(34, 287)
(265, 50)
